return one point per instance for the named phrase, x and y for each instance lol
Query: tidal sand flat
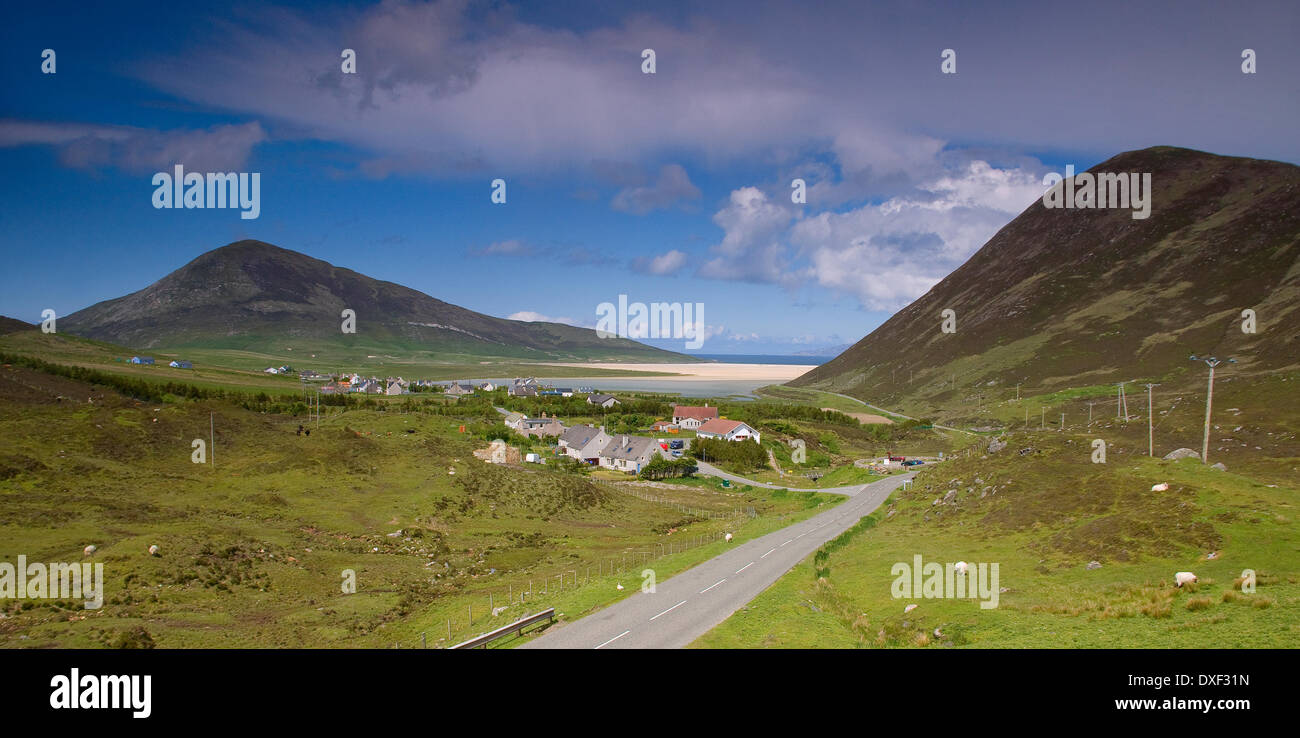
(767, 373)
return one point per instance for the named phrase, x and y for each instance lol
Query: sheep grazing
(960, 567)
(1162, 487)
(728, 538)
(153, 550)
(1185, 577)
(620, 587)
(88, 550)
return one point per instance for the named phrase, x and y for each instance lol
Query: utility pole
(1211, 362)
(1017, 393)
(212, 441)
(1062, 422)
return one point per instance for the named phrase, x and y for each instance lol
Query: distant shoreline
(715, 370)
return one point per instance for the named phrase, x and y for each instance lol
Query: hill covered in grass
(1078, 297)
(255, 297)
(1086, 553)
(253, 544)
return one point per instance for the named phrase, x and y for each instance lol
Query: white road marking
(611, 640)
(711, 586)
(764, 556)
(785, 542)
(746, 566)
(674, 607)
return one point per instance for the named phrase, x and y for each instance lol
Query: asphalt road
(688, 605)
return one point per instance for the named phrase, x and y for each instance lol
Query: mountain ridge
(252, 295)
(1062, 297)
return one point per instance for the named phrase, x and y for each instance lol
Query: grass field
(254, 544)
(1043, 516)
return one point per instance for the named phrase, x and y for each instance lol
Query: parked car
(678, 443)
(913, 462)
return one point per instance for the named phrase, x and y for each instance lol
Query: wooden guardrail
(505, 630)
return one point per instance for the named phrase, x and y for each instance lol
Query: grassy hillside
(1067, 298)
(254, 544)
(1043, 515)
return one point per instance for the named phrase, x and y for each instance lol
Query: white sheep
(88, 550)
(728, 538)
(960, 567)
(153, 550)
(1184, 577)
(620, 587)
(1162, 487)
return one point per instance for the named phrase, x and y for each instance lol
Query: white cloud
(883, 254)
(662, 265)
(751, 249)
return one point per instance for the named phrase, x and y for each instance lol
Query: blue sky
(666, 187)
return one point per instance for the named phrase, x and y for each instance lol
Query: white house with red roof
(727, 430)
(692, 417)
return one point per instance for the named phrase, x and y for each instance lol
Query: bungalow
(664, 425)
(629, 453)
(395, 388)
(488, 387)
(178, 364)
(584, 443)
(542, 427)
(727, 430)
(602, 400)
(141, 359)
(523, 388)
(457, 390)
(692, 417)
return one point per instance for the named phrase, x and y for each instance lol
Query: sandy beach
(774, 373)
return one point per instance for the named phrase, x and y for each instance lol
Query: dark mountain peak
(1064, 295)
(252, 295)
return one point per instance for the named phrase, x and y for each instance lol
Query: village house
(456, 389)
(602, 400)
(180, 364)
(664, 426)
(141, 360)
(629, 453)
(488, 387)
(584, 443)
(691, 417)
(727, 430)
(523, 388)
(543, 427)
(395, 388)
